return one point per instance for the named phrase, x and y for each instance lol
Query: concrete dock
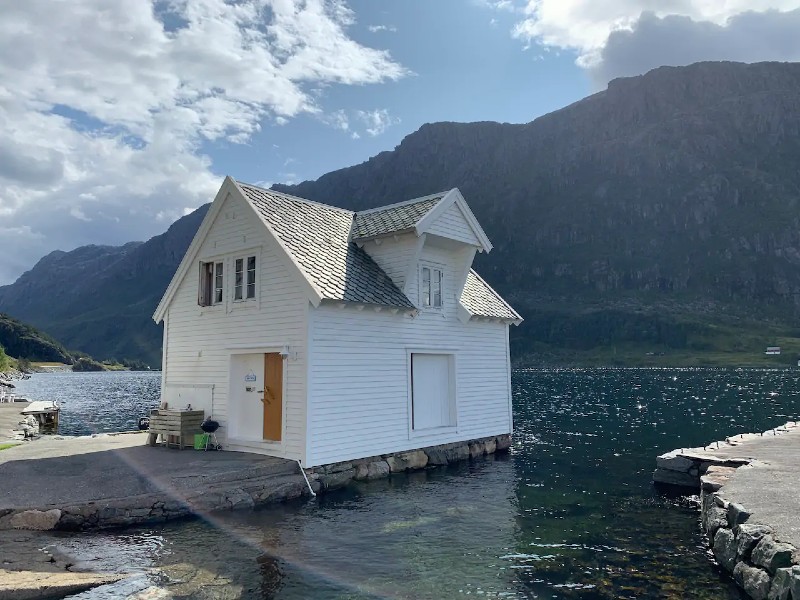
(112, 480)
(750, 505)
(10, 416)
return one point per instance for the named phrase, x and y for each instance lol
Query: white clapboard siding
(452, 224)
(393, 255)
(200, 340)
(359, 379)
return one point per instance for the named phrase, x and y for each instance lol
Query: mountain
(100, 299)
(660, 215)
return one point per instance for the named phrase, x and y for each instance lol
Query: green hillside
(22, 341)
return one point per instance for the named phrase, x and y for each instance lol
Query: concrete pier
(749, 487)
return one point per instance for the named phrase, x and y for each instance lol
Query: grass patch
(9, 445)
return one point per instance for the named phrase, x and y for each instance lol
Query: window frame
(207, 284)
(427, 292)
(218, 289)
(246, 279)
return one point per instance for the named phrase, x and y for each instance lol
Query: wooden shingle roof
(318, 237)
(393, 218)
(482, 301)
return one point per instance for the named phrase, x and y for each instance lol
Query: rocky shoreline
(766, 566)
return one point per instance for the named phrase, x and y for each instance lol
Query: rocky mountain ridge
(647, 213)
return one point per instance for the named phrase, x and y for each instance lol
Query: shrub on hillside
(87, 364)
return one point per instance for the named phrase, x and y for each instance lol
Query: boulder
(492, 445)
(502, 442)
(772, 555)
(457, 453)
(677, 478)
(713, 518)
(737, 514)
(755, 581)
(332, 481)
(436, 456)
(747, 536)
(372, 470)
(781, 585)
(725, 548)
(794, 583)
(674, 461)
(36, 519)
(407, 461)
(477, 449)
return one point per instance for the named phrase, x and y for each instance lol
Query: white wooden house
(322, 335)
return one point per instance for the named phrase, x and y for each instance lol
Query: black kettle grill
(209, 425)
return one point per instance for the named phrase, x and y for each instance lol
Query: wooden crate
(177, 427)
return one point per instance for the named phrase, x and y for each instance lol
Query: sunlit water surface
(569, 513)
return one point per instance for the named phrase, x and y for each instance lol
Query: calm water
(570, 513)
(96, 402)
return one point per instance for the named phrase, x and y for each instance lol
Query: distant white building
(317, 334)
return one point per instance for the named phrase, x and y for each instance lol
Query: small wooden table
(176, 426)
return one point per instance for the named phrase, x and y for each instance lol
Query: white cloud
(377, 28)
(337, 119)
(673, 40)
(376, 121)
(586, 26)
(104, 107)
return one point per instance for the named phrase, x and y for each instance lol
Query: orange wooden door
(273, 396)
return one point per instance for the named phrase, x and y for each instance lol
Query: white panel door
(430, 391)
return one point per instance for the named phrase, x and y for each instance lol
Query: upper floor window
(211, 278)
(431, 287)
(244, 287)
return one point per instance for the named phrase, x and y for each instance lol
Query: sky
(119, 116)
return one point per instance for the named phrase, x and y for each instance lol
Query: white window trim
(433, 432)
(228, 261)
(244, 258)
(433, 267)
(214, 261)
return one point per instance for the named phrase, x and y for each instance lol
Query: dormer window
(431, 287)
(211, 278)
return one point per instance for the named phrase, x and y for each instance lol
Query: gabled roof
(393, 218)
(318, 238)
(317, 243)
(481, 300)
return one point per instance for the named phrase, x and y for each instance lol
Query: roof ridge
(403, 203)
(291, 197)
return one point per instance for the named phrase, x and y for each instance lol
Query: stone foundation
(336, 475)
(764, 567)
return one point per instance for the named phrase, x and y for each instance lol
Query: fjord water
(569, 513)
